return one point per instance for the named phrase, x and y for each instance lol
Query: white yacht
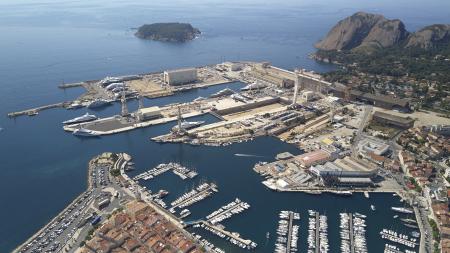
(85, 132)
(254, 86)
(98, 103)
(221, 93)
(114, 85)
(402, 210)
(85, 118)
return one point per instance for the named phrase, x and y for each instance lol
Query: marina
(287, 232)
(232, 237)
(201, 192)
(177, 169)
(225, 212)
(317, 233)
(399, 238)
(353, 233)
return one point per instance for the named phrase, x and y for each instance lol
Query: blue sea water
(44, 43)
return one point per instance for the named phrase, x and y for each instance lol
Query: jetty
(230, 236)
(36, 110)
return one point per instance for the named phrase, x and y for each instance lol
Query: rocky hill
(367, 32)
(430, 36)
(173, 32)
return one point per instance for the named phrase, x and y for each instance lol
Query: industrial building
(316, 157)
(149, 113)
(383, 101)
(180, 76)
(374, 146)
(346, 167)
(393, 120)
(232, 66)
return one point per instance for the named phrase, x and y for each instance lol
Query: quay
(289, 235)
(34, 111)
(317, 250)
(191, 200)
(231, 235)
(352, 238)
(70, 85)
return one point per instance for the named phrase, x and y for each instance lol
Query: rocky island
(172, 32)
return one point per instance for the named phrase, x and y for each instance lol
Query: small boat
(402, 210)
(267, 235)
(415, 234)
(372, 207)
(85, 132)
(162, 193)
(366, 194)
(185, 213)
(32, 113)
(395, 216)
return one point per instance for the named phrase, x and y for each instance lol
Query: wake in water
(248, 155)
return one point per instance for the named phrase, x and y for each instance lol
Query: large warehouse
(346, 167)
(180, 76)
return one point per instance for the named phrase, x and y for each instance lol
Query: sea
(44, 43)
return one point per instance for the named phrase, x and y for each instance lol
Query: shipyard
(345, 142)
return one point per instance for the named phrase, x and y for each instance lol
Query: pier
(34, 111)
(243, 243)
(199, 195)
(352, 239)
(287, 232)
(317, 232)
(225, 212)
(70, 85)
(291, 221)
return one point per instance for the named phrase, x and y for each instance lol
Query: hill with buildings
(380, 56)
(173, 32)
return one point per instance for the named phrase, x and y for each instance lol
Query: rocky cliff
(365, 32)
(430, 36)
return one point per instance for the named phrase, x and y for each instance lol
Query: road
(362, 124)
(71, 226)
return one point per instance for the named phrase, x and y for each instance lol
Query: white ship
(221, 93)
(254, 86)
(114, 85)
(85, 132)
(199, 99)
(85, 118)
(98, 103)
(75, 105)
(185, 125)
(402, 210)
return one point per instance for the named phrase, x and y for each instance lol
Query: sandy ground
(147, 87)
(422, 118)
